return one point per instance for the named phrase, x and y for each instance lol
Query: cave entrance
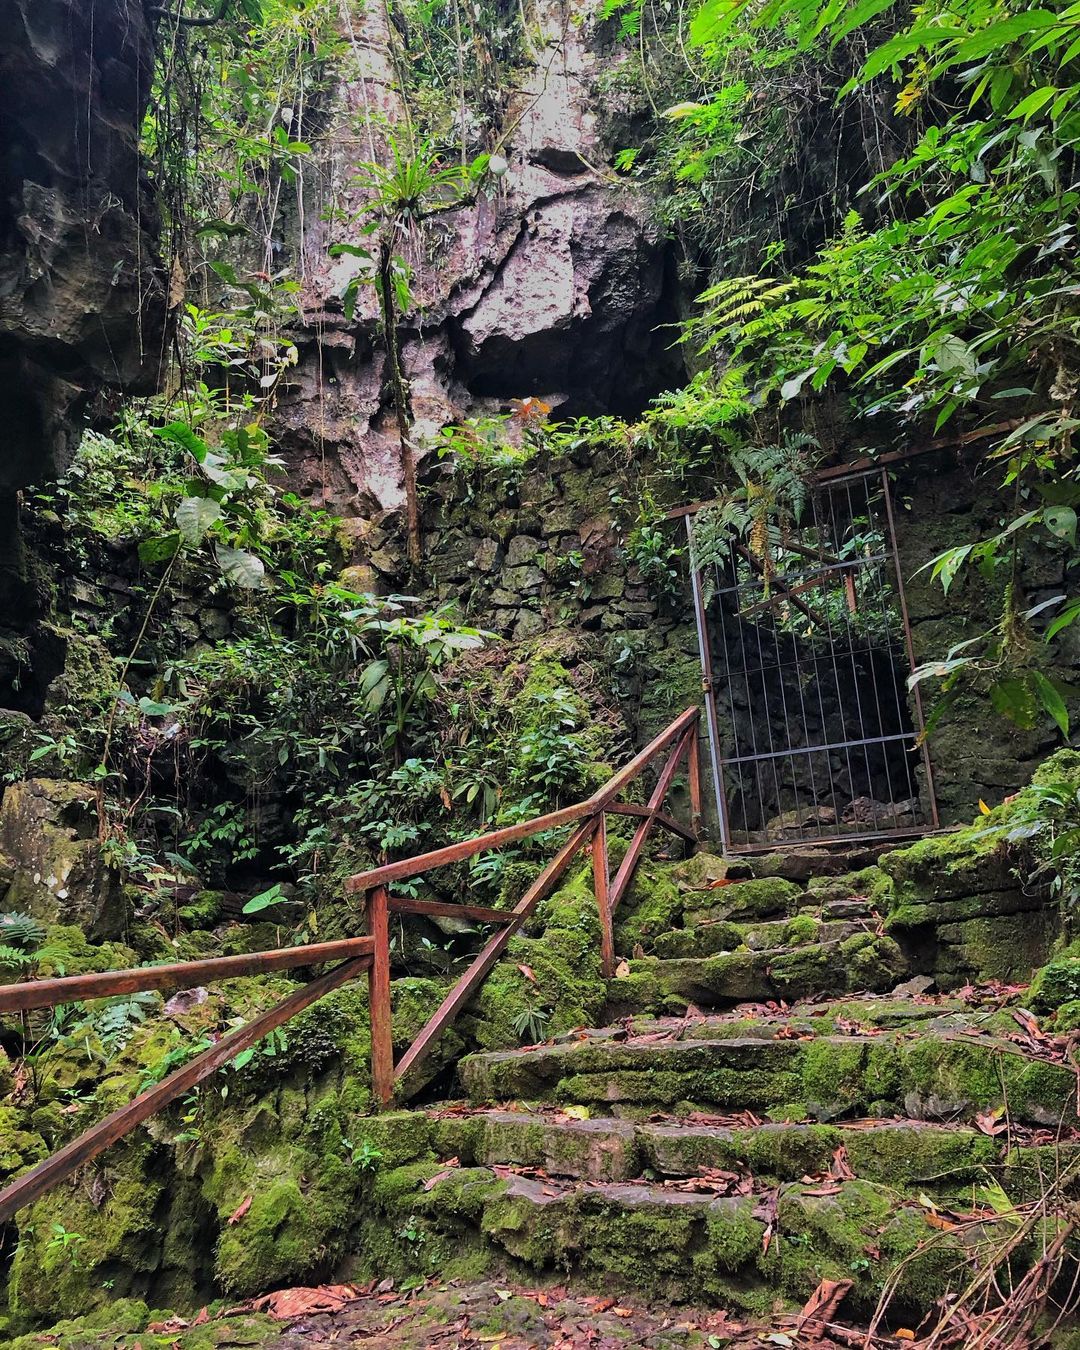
(806, 650)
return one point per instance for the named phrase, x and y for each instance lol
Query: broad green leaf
(1014, 699)
(1068, 616)
(194, 516)
(1051, 700)
(1028, 107)
(183, 435)
(240, 568)
(1061, 522)
(1002, 33)
(265, 899)
(952, 355)
(160, 549)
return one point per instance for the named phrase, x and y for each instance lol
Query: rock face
(552, 284)
(49, 850)
(80, 288)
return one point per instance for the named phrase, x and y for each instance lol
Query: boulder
(48, 838)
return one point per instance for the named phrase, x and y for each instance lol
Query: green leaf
(1014, 699)
(1002, 33)
(194, 516)
(183, 435)
(1052, 701)
(952, 355)
(1068, 616)
(160, 549)
(1028, 107)
(265, 899)
(1061, 522)
(241, 568)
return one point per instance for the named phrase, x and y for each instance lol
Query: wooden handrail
(98, 1138)
(181, 975)
(589, 817)
(512, 834)
(371, 953)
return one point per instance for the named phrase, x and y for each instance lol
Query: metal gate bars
(806, 647)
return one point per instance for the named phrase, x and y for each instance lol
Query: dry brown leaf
(622, 970)
(529, 973)
(241, 1209)
(432, 1182)
(991, 1122)
(286, 1304)
(823, 1303)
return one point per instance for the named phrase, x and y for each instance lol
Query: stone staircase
(757, 1113)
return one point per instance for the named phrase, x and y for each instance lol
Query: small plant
(531, 1024)
(66, 1244)
(364, 1156)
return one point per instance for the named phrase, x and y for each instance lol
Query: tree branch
(159, 12)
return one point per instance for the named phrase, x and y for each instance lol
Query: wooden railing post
(693, 770)
(382, 1042)
(603, 902)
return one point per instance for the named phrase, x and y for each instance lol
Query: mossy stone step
(900, 1153)
(938, 1076)
(665, 1242)
(723, 935)
(862, 961)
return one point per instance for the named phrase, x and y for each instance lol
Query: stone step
(901, 1153)
(680, 1241)
(938, 1076)
(861, 961)
(722, 935)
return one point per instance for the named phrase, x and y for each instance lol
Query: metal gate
(805, 649)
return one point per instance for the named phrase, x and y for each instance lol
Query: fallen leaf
(622, 970)
(990, 1122)
(286, 1304)
(241, 1209)
(904, 1334)
(823, 1303)
(529, 973)
(432, 1182)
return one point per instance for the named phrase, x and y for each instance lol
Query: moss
(773, 1151)
(901, 1155)
(1067, 1017)
(707, 940)
(833, 1077)
(829, 1237)
(202, 911)
(803, 928)
(1057, 983)
(66, 950)
(759, 898)
(19, 1147)
(398, 1137)
(68, 1245)
(872, 962)
(946, 1078)
(302, 1205)
(653, 906)
(557, 974)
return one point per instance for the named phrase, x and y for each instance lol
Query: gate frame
(827, 479)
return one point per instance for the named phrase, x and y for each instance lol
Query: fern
(20, 930)
(13, 958)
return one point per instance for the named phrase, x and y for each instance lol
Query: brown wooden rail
(371, 953)
(679, 741)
